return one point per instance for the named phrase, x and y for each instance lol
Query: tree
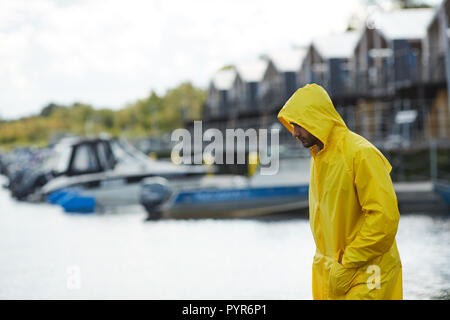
(186, 100)
(228, 67)
(49, 109)
(154, 115)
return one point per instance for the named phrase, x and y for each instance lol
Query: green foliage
(151, 116)
(227, 67)
(49, 109)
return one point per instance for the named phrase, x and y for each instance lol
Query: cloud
(109, 53)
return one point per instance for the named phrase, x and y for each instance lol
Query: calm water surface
(46, 254)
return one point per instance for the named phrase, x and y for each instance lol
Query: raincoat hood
(311, 108)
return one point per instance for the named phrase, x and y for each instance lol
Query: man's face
(306, 138)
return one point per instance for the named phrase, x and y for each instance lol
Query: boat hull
(235, 203)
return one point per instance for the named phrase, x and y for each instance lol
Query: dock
(413, 198)
(419, 197)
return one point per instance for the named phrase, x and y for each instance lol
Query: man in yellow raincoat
(353, 210)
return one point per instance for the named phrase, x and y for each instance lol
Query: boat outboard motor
(154, 191)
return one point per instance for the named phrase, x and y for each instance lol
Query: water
(47, 254)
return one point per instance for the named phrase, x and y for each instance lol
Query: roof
(405, 24)
(253, 70)
(336, 45)
(223, 79)
(442, 5)
(287, 60)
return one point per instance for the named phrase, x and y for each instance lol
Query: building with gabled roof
(388, 54)
(217, 98)
(327, 63)
(244, 91)
(436, 64)
(280, 79)
(387, 71)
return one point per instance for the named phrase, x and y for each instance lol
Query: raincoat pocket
(341, 279)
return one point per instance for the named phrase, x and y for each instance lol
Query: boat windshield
(125, 153)
(59, 160)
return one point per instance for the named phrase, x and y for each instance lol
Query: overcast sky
(112, 52)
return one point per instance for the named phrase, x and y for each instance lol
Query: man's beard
(308, 143)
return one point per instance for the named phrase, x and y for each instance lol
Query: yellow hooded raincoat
(353, 210)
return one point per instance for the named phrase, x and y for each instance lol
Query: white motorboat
(107, 171)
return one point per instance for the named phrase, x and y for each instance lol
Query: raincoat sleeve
(378, 202)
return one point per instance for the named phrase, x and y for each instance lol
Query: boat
(93, 174)
(103, 172)
(26, 171)
(223, 197)
(443, 189)
(232, 202)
